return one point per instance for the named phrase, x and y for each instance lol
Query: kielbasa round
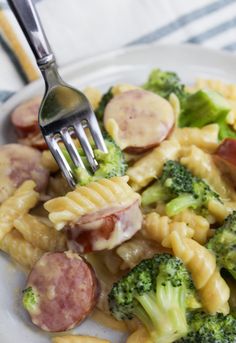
(17, 164)
(138, 120)
(104, 229)
(25, 117)
(25, 121)
(61, 291)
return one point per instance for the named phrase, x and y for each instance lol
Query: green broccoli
(102, 104)
(164, 83)
(223, 244)
(206, 328)
(30, 299)
(158, 292)
(179, 189)
(110, 164)
(206, 107)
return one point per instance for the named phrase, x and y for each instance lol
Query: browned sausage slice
(61, 291)
(138, 120)
(225, 158)
(104, 229)
(25, 117)
(17, 164)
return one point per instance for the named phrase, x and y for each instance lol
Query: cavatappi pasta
(33, 223)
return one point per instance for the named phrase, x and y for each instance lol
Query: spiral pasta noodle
(24, 198)
(150, 166)
(212, 288)
(158, 228)
(199, 224)
(205, 138)
(226, 89)
(39, 234)
(202, 165)
(14, 244)
(87, 199)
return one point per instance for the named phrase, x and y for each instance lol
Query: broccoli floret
(179, 189)
(164, 83)
(157, 291)
(110, 164)
(206, 328)
(206, 107)
(102, 104)
(30, 299)
(223, 244)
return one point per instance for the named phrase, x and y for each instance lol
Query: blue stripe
(230, 47)
(182, 21)
(214, 31)
(4, 95)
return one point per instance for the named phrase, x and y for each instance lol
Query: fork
(64, 111)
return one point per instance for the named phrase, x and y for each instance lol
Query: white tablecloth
(77, 29)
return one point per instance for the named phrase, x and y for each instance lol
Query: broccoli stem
(180, 203)
(163, 313)
(155, 193)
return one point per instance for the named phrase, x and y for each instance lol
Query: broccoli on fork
(111, 163)
(223, 244)
(157, 291)
(179, 189)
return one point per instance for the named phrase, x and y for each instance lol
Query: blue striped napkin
(78, 29)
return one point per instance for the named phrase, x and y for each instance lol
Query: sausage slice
(61, 291)
(19, 163)
(138, 120)
(25, 117)
(104, 229)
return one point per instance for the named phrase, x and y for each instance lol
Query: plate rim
(66, 69)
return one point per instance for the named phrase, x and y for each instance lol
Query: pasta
(205, 138)
(227, 90)
(39, 234)
(20, 250)
(212, 288)
(174, 101)
(19, 203)
(78, 339)
(202, 165)
(149, 167)
(139, 336)
(218, 210)
(108, 321)
(136, 249)
(199, 224)
(94, 96)
(159, 228)
(49, 162)
(86, 199)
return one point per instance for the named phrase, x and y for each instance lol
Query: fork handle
(28, 19)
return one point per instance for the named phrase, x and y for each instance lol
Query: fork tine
(96, 132)
(85, 145)
(70, 146)
(61, 160)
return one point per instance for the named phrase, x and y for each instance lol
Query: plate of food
(144, 249)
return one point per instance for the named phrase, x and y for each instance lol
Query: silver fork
(64, 111)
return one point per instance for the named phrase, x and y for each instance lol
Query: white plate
(131, 65)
